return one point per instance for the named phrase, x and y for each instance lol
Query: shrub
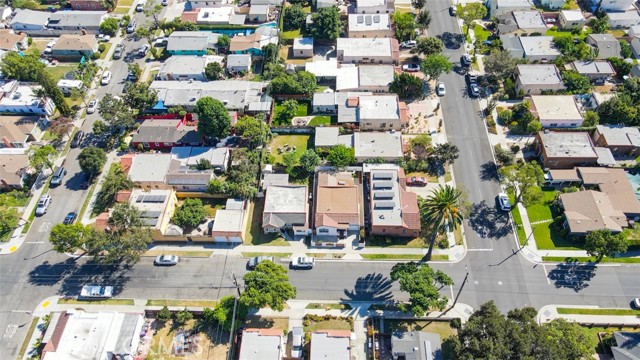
(515, 148)
(183, 316)
(96, 56)
(442, 242)
(164, 314)
(456, 323)
(102, 48)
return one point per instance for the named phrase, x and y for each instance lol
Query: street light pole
(466, 276)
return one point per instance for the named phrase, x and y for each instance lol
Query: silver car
(43, 204)
(166, 260)
(254, 261)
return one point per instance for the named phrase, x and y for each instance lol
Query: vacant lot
(210, 343)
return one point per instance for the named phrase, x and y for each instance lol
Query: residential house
(30, 21)
(266, 2)
(156, 208)
(368, 50)
(553, 4)
(183, 68)
(556, 110)
(13, 170)
(262, 344)
(223, 15)
(237, 95)
(17, 97)
(228, 225)
(286, 207)
(610, 6)
(68, 86)
(75, 22)
(191, 42)
(621, 140)
(571, 19)
(596, 70)
(627, 346)
(370, 78)
(417, 345)
(337, 103)
(80, 335)
(623, 20)
(565, 150)
(536, 78)
(369, 26)
(253, 44)
(609, 207)
(10, 41)
(237, 63)
(5, 12)
(165, 134)
(302, 47)
(325, 71)
(148, 171)
(74, 47)
(393, 210)
(268, 178)
(635, 47)
(512, 45)
(369, 145)
(185, 179)
(259, 13)
(87, 5)
(191, 156)
(606, 45)
(196, 4)
(598, 98)
(634, 31)
(329, 136)
(337, 204)
(330, 344)
(19, 131)
(539, 48)
(379, 112)
(521, 22)
(499, 7)
(375, 7)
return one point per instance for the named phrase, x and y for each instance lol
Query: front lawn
(393, 242)
(547, 238)
(313, 323)
(592, 259)
(542, 210)
(297, 143)
(254, 234)
(517, 219)
(481, 33)
(442, 328)
(587, 311)
(106, 50)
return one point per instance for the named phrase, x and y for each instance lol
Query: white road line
(451, 288)
(546, 276)
(11, 330)
(34, 242)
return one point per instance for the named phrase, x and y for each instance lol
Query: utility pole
(466, 268)
(233, 319)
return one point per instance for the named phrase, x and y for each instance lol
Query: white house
(375, 7)
(237, 63)
(368, 50)
(5, 12)
(66, 86)
(259, 13)
(634, 31)
(572, 19)
(536, 78)
(20, 98)
(303, 47)
(28, 20)
(373, 78)
(182, 68)
(614, 5)
(539, 48)
(556, 110)
(498, 7)
(623, 19)
(224, 15)
(196, 4)
(553, 4)
(371, 26)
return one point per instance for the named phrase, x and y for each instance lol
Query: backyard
(323, 120)
(282, 144)
(301, 111)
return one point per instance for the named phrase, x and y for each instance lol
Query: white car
(92, 106)
(440, 90)
(164, 2)
(408, 44)
(503, 202)
(636, 303)
(104, 38)
(411, 67)
(166, 260)
(43, 204)
(296, 342)
(96, 291)
(106, 78)
(303, 262)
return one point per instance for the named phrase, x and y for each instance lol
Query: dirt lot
(207, 343)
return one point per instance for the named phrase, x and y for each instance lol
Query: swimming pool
(635, 183)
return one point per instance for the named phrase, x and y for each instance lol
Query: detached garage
(228, 225)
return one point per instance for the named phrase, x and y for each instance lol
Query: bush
(164, 314)
(442, 242)
(102, 48)
(183, 316)
(96, 56)
(515, 149)
(456, 323)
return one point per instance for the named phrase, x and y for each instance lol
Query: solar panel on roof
(376, 18)
(367, 20)
(384, 205)
(382, 176)
(360, 19)
(379, 195)
(382, 185)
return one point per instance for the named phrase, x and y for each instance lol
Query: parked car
(43, 204)
(417, 181)
(408, 44)
(140, 7)
(472, 79)
(636, 303)
(161, 41)
(164, 2)
(142, 52)
(303, 262)
(70, 218)
(104, 38)
(106, 78)
(91, 108)
(117, 54)
(254, 261)
(465, 60)
(167, 260)
(77, 138)
(440, 89)
(58, 175)
(503, 202)
(474, 89)
(453, 11)
(411, 67)
(131, 27)
(296, 342)
(96, 291)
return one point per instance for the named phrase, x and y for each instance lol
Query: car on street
(43, 204)
(408, 44)
(131, 27)
(416, 181)
(70, 218)
(117, 53)
(254, 261)
(96, 291)
(58, 175)
(452, 11)
(106, 78)
(472, 79)
(164, 2)
(411, 67)
(91, 108)
(503, 202)
(296, 342)
(142, 52)
(104, 38)
(140, 7)
(160, 42)
(303, 262)
(636, 303)
(440, 89)
(77, 139)
(465, 60)
(166, 260)
(474, 89)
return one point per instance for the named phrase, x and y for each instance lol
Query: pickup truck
(96, 291)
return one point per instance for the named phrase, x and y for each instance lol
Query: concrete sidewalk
(550, 312)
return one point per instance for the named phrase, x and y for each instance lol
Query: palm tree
(441, 210)
(40, 94)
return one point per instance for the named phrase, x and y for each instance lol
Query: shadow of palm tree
(488, 221)
(573, 274)
(373, 287)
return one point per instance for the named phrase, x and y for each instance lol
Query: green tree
(436, 65)
(289, 111)
(406, 86)
(190, 213)
(504, 156)
(418, 4)
(591, 118)
(309, 161)
(183, 316)
(421, 144)
(445, 153)
(110, 26)
(471, 12)
(217, 186)
(299, 83)
(213, 118)
(69, 238)
(422, 283)
(213, 71)
(405, 25)
(625, 50)
(115, 181)
(294, 18)
(153, 10)
(135, 70)
(576, 83)
(22, 68)
(572, 340)
(523, 180)
(116, 113)
(254, 130)
(326, 24)
(124, 217)
(289, 161)
(41, 157)
(99, 128)
(601, 243)
(140, 97)
(164, 314)
(109, 5)
(224, 41)
(618, 110)
(91, 160)
(223, 313)
(600, 25)
(341, 156)
(267, 285)
(423, 19)
(51, 89)
(500, 63)
(9, 219)
(429, 46)
(621, 67)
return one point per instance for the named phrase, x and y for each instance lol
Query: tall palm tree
(440, 210)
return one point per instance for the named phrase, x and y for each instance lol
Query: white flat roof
(347, 78)
(320, 68)
(303, 43)
(529, 19)
(228, 220)
(572, 15)
(539, 74)
(539, 46)
(149, 167)
(286, 198)
(379, 107)
(368, 22)
(364, 46)
(556, 107)
(256, 346)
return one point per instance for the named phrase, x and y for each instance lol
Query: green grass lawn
(393, 242)
(290, 35)
(403, 257)
(122, 10)
(106, 50)
(571, 5)
(179, 302)
(302, 111)
(320, 120)
(619, 260)
(481, 33)
(97, 302)
(329, 306)
(332, 324)
(442, 328)
(57, 72)
(517, 219)
(27, 339)
(616, 32)
(547, 238)
(300, 142)
(275, 255)
(125, 2)
(254, 234)
(586, 311)
(542, 211)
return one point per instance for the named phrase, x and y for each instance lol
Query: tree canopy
(9, 219)
(500, 63)
(116, 113)
(294, 17)
(41, 157)
(115, 181)
(471, 12)
(429, 46)
(523, 180)
(422, 283)
(405, 25)
(254, 130)
(213, 71)
(326, 24)
(341, 156)
(140, 97)
(223, 313)
(601, 243)
(298, 83)
(91, 160)
(309, 161)
(576, 83)
(110, 26)
(435, 65)
(190, 213)
(443, 208)
(213, 118)
(406, 86)
(423, 19)
(267, 285)
(68, 238)
(23, 68)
